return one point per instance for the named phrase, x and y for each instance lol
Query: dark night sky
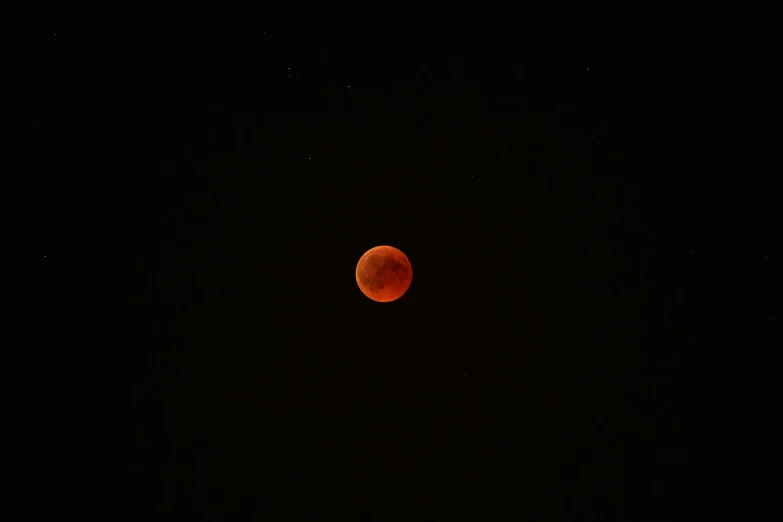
(209, 189)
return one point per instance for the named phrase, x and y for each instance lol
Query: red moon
(384, 274)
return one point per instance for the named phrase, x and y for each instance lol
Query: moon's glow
(384, 274)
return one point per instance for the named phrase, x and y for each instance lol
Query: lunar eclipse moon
(384, 274)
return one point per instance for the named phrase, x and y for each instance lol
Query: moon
(384, 274)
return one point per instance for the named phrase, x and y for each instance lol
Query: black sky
(203, 191)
